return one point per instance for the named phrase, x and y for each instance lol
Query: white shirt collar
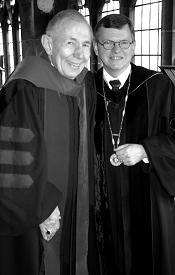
(122, 77)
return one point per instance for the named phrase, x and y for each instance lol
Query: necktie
(115, 85)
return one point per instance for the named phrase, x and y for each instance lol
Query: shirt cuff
(145, 160)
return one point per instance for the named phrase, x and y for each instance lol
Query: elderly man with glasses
(135, 157)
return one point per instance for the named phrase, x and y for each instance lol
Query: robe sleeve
(91, 95)
(160, 145)
(91, 105)
(26, 197)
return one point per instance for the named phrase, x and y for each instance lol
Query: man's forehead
(75, 30)
(125, 30)
(68, 23)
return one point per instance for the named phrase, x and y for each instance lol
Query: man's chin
(117, 67)
(72, 75)
(73, 71)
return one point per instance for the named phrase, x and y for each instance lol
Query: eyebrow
(74, 39)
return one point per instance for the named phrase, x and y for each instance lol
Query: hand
(130, 154)
(50, 226)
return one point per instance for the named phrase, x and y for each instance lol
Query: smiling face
(116, 60)
(69, 47)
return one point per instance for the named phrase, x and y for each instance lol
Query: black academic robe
(39, 122)
(135, 207)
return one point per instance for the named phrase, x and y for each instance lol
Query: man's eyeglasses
(109, 44)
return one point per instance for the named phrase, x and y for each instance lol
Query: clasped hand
(50, 226)
(130, 154)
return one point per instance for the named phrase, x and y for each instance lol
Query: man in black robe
(46, 142)
(135, 163)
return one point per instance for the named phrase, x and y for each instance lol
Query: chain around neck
(116, 144)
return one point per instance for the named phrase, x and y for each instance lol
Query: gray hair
(65, 14)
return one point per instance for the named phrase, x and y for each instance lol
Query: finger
(47, 235)
(50, 235)
(122, 147)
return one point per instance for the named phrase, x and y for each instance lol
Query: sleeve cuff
(145, 160)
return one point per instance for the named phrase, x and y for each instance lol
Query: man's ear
(47, 43)
(133, 45)
(95, 47)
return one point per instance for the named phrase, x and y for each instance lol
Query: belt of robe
(82, 223)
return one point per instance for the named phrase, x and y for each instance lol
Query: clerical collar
(122, 77)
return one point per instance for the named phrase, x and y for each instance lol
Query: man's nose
(116, 47)
(78, 52)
